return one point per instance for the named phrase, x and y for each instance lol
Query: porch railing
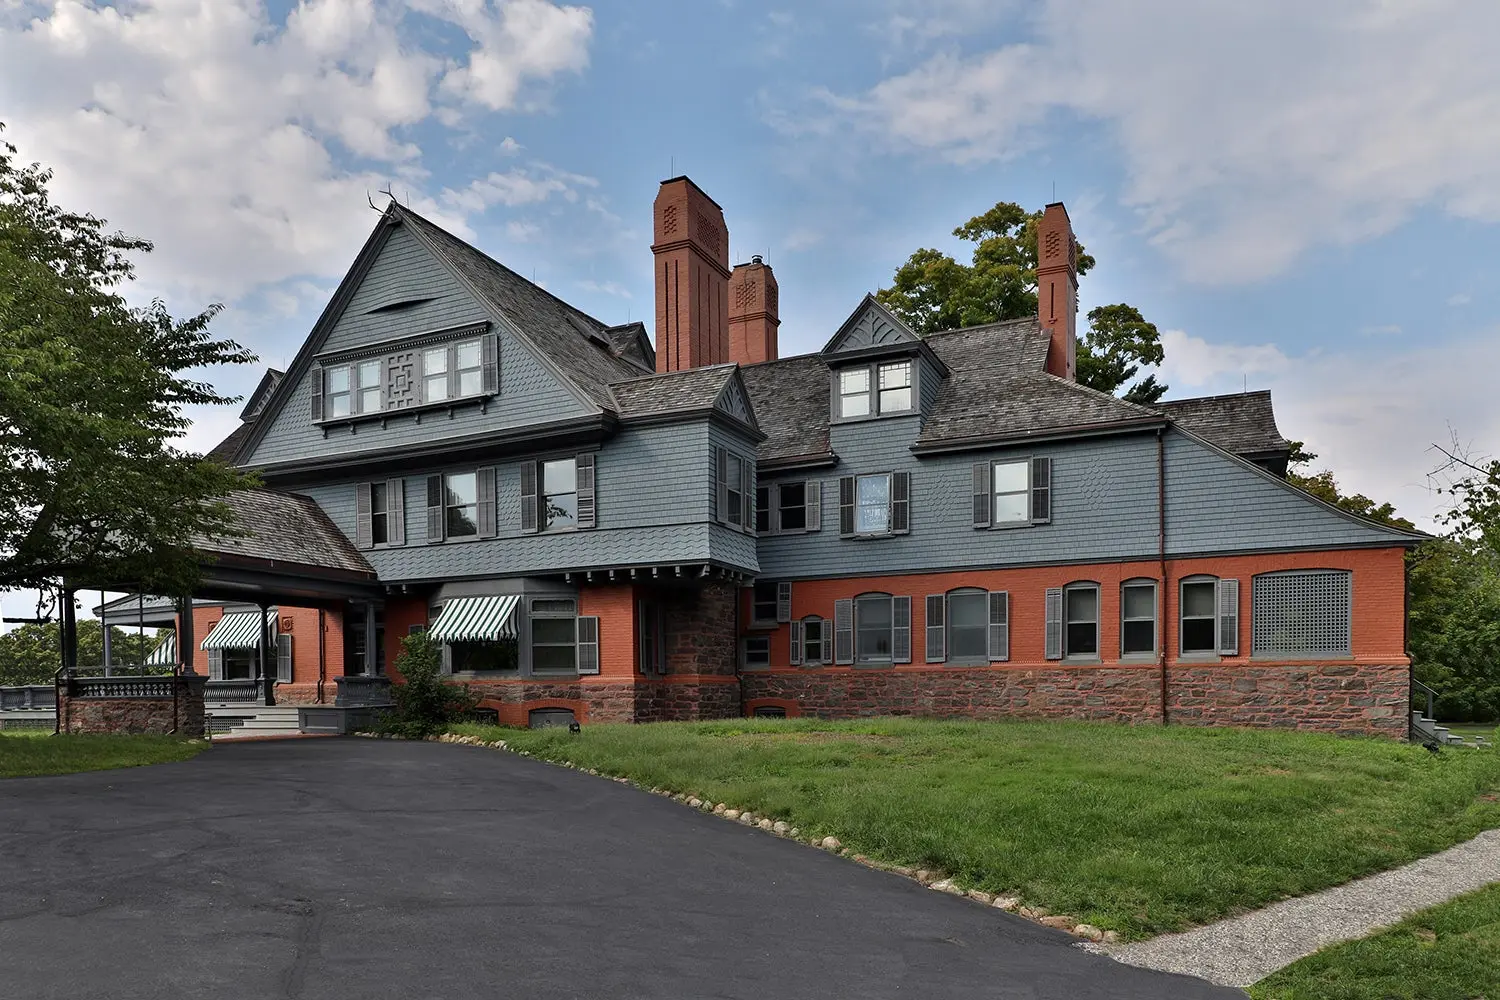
(121, 687)
(28, 697)
(361, 692)
(235, 692)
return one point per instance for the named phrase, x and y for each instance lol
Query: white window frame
(449, 506)
(823, 644)
(544, 519)
(890, 603)
(377, 386)
(867, 393)
(430, 377)
(331, 398)
(910, 385)
(860, 479)
(1024, 492)
(984, 597)
(1182, 617)
(456, 387)
(1067, 620)
(1141, 583)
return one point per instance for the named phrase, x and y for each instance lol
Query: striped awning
(240, 630)
(476, 619)
(165, 653)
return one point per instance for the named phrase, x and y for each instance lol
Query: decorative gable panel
(871, 325)
(733, 400)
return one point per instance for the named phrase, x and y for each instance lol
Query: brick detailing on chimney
(753, 322)
(1057, 289)
(691, 248)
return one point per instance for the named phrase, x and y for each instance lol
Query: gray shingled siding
(929, 384)
(653, 489)
(529, 393)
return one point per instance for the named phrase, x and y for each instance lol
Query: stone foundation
(132, 705)
(1340, 697)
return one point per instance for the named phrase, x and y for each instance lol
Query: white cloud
(1460, 299)
(514, 188)
(245, 149)
(1372, 419)
(604, 288)
(1249, 132)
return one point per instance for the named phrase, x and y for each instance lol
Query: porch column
(67, 628)
(185, 643)
(104, 631)
(370, 665)
(267, 678)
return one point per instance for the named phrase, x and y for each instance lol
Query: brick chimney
(692, 277)
(752, 313)
(1057, 289)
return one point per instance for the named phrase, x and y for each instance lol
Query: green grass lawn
(1450, 952)
(1469, 730)
(24, 754)
(1140, 830)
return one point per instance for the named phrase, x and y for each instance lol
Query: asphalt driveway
(372, 869)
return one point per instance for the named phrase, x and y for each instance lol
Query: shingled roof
(287, 529)
(686, 390)
(790, 397)
(1241, 422)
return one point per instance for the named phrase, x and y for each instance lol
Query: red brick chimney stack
(752, 313)
(692, 278)
(1057, 289)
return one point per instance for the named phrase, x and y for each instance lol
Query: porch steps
(1425, 730)
(231, 722)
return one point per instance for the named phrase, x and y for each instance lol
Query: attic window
(875, 389)
(398, 306)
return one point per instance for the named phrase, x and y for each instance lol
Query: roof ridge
(1221, 395)
(679, 372)
(1145, 411)
(1013, 321)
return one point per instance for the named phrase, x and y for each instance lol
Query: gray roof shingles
(285, 528)
(790, 399)
(1241, 422)
(690, 389)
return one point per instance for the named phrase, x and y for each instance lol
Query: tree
(31, 654)
(933, 292)
(92, 392)
(425, 703)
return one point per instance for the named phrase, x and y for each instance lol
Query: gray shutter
(721, 485)
(843, 631)
(363, 536)
(783, 602)
(315, 380)
(1041, 490)
(528, 496)
(813, 504)
(999, 625)
(484, 490)
(452, 372)
(795, 644)
(981, 492)
(434, 509)
(588, 644)
(846, 505)
(447, 666)
(284, 658)
(489, 349)
(1054, 623)
(937, 632)
(587, 511)
(216, 664)
(395, 506)
(1229, 617)
(901, 629)
(900, 503)
(747, 494)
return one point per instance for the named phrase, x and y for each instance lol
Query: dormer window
(435, 374)
(439, 369)
(340, 398)
(875, 389)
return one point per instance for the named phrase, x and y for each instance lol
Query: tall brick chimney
(692, 277)
(752, 313)
(1057, 289)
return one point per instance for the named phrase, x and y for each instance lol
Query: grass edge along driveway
(29, 754)
(1141, 830)
(1448, 952)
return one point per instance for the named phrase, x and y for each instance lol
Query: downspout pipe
(1161, 559)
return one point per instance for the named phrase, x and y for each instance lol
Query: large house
(603, 528)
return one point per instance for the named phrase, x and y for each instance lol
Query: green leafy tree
(92, 392)
(425, 703)
(932, 291)
(31, 654)
(1454, 628)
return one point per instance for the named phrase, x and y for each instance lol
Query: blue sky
(1301, 199)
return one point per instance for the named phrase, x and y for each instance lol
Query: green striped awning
(476, 619)
(165, 653)
(240, 630)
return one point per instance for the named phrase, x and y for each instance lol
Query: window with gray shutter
(901, 630)
(900, 503)
(747, 491)
(846, 505)
(528, 497)
(981, 492)
(216, 664)
(434, 509)
(395, 498)
(783, 602)
(363, 536)
(284, 658)
(936, 629)
(813, 505)
(587, 509)
(721, 485)
(1041, 490)
(795, 644)
(315, 381)
(843, 631)
(1054, 623)
(484, 488)
(588, 644)
(999, 625)
(490, 378)
(1229, 617)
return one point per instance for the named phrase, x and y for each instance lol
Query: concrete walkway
(1244, 950)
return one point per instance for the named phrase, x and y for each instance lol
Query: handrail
(1429, 692)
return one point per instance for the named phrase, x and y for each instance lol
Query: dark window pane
(501, 655)
(793, 499)
(1198, 635)
(763, 508)
(1139, 637)
(552, 630)
(873, 627)
(1083, 639)
(757, 651)
(553, 659)
(763, 607)
(379, 534)
(461, 522)
(1198, 599)
(1140, 602)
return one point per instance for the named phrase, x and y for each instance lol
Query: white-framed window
(554, 636)
(1010, 484)
(1303, 612)
(874, 623)
(1137, 617)
(872, 504)
(559, 494)
(1200, 617)
(468, 365)
(968, 613)
(854, 392)
(461, 503)
(435, 374)
(340, 392)
(1081, 619)
(371, 386)
(895, 386)
(816, 641)
(757, 650)
(380, 514)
